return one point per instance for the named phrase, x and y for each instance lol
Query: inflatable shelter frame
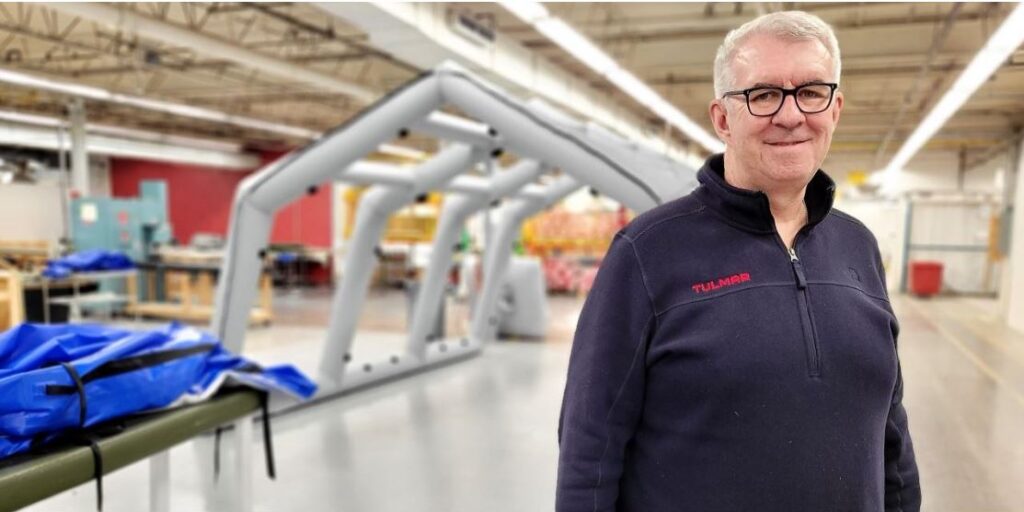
(542, 138)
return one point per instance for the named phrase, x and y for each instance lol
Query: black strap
(129, 364)
(97, 464)
(80, 388)
(268, 444)
(268, 441)
(216, 452)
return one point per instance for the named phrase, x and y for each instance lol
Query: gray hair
(794, 25)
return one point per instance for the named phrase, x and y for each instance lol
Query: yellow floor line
(1009, 349)
(970, 355)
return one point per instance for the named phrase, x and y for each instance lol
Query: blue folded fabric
(68, 376)
(93, 260)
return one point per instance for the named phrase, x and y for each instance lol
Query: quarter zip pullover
(715, 369)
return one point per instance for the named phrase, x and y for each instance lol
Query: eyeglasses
(767, 101)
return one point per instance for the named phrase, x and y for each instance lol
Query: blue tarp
(87, 261)
(46, 369)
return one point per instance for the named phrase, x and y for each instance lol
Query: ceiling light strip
(577, 45)
(1006, 39)
(98, 94)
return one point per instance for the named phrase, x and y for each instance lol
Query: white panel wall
(1014, 287)
(959, 225)
(99, 176)
(31, 212)
(887, 221)
(930, 171)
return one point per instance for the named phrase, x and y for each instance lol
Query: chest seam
(766, 285)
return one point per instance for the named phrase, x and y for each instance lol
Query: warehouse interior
(409, 203)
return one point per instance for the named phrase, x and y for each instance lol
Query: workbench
(185, 292)
(31, 477)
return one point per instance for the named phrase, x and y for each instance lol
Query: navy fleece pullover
(714, 370)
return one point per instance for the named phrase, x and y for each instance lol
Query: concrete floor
(480, 435)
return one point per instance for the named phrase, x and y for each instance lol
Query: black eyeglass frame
(785, 92)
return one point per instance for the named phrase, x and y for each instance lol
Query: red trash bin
(925, 278)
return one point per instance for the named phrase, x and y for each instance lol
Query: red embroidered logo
(711, 286)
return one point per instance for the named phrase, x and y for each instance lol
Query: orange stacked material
(560, 231)
(413, 224)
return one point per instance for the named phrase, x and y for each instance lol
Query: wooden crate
(12, 305)
(26, 254)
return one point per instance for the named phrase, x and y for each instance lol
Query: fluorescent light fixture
(18, 117)
(529, 12)
(128, 133)
(84, 91)
(48, 138)
(632, 86)
(999, 47)
(95, 93)
(577, 45)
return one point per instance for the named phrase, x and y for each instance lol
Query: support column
(160, 482)
(79, 155)
(1014, 288)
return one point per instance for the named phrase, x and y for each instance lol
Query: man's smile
(787, 143)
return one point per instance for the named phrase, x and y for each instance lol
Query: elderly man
(738, 349)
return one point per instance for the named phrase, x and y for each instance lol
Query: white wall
(886, 218)
(930, 171)
(34, 211)
(1014, 287)
(935, 172)
(99, 176)
(31, 212)
(960, 224)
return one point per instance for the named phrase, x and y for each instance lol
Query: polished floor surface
(480, 435)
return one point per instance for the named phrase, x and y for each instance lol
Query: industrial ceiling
(300, 66)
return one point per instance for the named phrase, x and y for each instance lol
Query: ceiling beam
(421, 33)
(328, 32)
(123, 18)
(47, 137)
(717, 28)
(938, 41)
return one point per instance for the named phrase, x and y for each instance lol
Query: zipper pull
(798, 269)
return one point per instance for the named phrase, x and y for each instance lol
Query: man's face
(789, 146)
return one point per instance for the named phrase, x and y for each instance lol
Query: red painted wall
(306, 220)
(200, 200)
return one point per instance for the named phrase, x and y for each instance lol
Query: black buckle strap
(94, 447)
(80, 389)
(268, 441)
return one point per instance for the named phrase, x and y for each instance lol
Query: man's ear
(720, 119)
(838, 107)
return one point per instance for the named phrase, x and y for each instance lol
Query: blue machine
(133, 226)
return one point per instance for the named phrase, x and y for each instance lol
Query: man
(737, 351)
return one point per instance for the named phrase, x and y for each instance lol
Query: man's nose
(789, 116)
